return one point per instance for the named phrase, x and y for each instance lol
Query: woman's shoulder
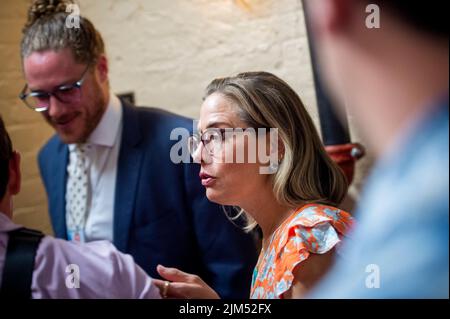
(312, 215)
(313, 227)
(310, 229)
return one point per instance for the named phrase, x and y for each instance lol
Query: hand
(183, 285)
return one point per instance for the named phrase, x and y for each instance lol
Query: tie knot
(81, 149)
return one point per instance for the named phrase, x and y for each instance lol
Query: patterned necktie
(77, 193)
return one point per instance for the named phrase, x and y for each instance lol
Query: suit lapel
(128, 169)
(58, 190)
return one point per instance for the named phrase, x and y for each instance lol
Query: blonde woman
(295, 206)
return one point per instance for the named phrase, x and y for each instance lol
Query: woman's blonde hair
(306, 174)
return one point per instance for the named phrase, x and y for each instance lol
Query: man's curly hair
(46, 29)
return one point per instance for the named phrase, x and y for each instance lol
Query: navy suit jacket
(161, 213)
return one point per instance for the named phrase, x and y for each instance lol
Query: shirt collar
(106, 131)
(7, 224)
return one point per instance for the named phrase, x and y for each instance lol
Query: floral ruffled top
(312, 228)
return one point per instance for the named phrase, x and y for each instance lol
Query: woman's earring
(273, 167)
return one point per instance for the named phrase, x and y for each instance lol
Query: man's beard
(93, 119)
(89, 120)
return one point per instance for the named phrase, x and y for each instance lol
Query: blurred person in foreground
(102, 271)
(394, 80)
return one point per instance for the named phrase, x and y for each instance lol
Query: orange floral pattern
(312, 228)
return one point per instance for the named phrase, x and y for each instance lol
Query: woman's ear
(15, 176)
(281, 149)
(276, 145)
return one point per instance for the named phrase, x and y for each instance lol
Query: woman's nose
(201, 155)
(197, 156)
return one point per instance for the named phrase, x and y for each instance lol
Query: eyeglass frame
(222, 132)
(76, 85)
(202, 140)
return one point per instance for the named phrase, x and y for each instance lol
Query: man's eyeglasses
(40, 100)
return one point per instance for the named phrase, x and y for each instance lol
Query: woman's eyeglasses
(212, 140)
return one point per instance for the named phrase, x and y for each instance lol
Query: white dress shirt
(102, 156)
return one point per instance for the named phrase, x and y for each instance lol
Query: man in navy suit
(108, 172)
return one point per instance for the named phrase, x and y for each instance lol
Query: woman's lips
(207, 180)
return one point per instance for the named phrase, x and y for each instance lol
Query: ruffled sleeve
(313, 229)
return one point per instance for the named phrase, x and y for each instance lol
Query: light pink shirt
(104, 272)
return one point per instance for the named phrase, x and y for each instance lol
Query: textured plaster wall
(166, 52)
